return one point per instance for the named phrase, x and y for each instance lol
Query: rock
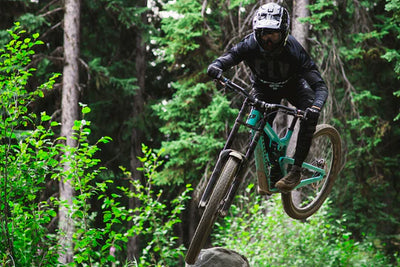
(220, 257)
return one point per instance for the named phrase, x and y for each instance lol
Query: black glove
(312, 113)
(214, 71)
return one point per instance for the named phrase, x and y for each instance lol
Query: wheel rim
(321, 154)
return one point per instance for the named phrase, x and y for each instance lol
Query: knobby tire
(210, 213)
(326, 145)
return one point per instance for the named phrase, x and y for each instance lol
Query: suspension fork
(214, 176)
(237, 124)
(223, 155)
(242, 168)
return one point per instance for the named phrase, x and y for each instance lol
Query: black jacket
(292, 62)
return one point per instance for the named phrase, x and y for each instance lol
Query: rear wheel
(325, 153)
(210, 213)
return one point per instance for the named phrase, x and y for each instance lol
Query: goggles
(267, 35)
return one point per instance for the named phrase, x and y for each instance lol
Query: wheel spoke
(324, 153)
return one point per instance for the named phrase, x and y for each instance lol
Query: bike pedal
(263, 192)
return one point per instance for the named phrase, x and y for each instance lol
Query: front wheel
(325, 152)
(210, 213)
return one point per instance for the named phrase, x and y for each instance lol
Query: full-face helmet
(271, 25)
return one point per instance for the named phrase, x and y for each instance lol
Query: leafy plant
(154, 220)
(261, 231)
(392, 54)
(31, 159)
(182, 26)
(196, 126)
(28, 155)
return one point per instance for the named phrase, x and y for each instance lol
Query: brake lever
(301, 114)
(222, 80)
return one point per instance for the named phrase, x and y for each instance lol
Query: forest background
(150, 123)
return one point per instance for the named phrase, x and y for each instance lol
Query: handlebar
(257, 102)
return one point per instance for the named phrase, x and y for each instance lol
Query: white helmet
(268, 19)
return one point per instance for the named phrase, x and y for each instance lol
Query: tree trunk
(137, 137)
(300, 32)
(69, 106)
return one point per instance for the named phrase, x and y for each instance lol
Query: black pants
(300, 95)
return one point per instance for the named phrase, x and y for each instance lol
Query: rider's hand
(214, 72)
(312, 113)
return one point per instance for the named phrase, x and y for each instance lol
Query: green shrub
(153, 221)
(31, 156)
(261, 231)
(27, 153)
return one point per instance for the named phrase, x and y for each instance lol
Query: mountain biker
(281, 68)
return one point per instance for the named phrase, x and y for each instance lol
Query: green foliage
(261, 231)
(31, 160)
(81, 173)
(104, 76)
(196, 120)
(392, 24)
(354, 42)
(321, 12)
(373, 128)
(110, 81)
(127, 12)
(153, 220)
(28, 153)
(354, 47)
(32, 22)
(197, 116)
(182, 27)
(239, 3)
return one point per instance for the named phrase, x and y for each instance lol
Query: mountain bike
(318, 174)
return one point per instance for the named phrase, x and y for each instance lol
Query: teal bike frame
(257, 122)
(262, 158)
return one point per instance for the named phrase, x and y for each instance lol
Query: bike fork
(222, 156)
(233, 189)
(214, 177)
(239, 176)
